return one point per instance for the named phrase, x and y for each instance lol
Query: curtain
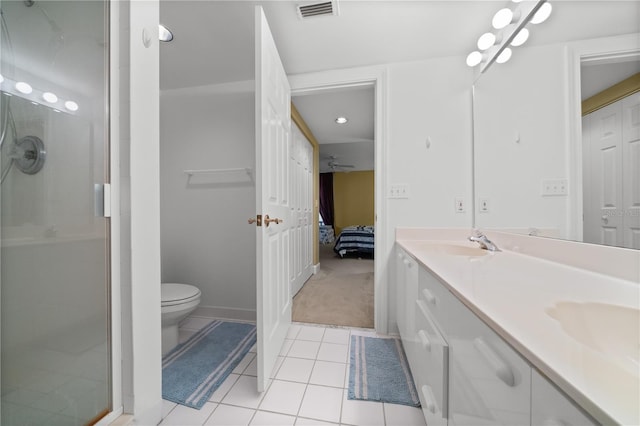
(326, 198)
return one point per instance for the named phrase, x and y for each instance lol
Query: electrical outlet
(400, 190)
(460, 207)
(551, 187)
(484, 205)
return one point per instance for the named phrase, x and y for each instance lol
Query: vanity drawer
(490, 383)
(433, 293)
(432, 367)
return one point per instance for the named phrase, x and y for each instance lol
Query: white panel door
(631, 170)
(273, 132)
(603, 212)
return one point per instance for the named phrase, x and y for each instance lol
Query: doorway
(341, 292)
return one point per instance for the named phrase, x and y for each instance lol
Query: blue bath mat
(193, 370)
(379, 371)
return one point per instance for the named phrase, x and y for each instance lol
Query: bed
(355, 240)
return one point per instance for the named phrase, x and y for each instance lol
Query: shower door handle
(102, 199)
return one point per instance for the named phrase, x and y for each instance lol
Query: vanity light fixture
(341, 120)
(486, 40)
(542, 14)
(1, 78)
(509, 25)
(520, 38)
(71, 106)
(164, 34)
(24, 88)
(52, 98)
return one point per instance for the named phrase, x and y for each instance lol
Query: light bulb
(502, 18)
(504, 56)
(341, 120)
(71, 106)
(23, 87)
(164, 34)
(50, 97)
(486, 40)
(542, 14)
(520, 38)
(474, 58)
(1, 78)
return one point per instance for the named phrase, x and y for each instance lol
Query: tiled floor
(309, 387)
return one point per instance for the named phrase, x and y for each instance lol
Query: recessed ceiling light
(341, 120)
(164, 34)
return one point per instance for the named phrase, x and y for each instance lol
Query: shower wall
(205, 238)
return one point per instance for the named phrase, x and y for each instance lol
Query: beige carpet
(340, 294)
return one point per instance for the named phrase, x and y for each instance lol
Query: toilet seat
(177, 294)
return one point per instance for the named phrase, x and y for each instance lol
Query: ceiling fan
(335, 166)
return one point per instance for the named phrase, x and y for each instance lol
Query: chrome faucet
(485, 243)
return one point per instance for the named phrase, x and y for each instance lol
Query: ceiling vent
(310, 10)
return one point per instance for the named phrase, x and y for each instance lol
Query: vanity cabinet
(464, 372)
(550, 407)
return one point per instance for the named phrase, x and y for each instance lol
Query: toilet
(178, 301)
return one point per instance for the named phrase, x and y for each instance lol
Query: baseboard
(225, 313)
(316, 268)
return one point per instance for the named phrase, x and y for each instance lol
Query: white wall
(521, 138)
(206, 240)
(427, 99)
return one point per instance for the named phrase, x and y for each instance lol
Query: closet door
(631, 170)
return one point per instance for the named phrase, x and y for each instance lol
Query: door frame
(593, 51)
(302, 84)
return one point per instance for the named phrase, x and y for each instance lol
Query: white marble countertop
(515, 293)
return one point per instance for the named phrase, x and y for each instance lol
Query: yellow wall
(353, 199)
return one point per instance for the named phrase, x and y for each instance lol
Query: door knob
(605, 219)
(251, 221)
(268, 220)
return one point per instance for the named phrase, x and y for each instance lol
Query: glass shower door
(54, 252)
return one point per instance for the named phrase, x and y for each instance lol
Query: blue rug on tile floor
(193, 370)
(379, 371)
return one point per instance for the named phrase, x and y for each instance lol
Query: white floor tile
(295, 369)
(328, 374)
(337, 335)
(244, 363)
(244, 393)
(294, 329)
(304, 349)
(311, 333)
(361, 413)
(195, 323)
(322, 403)
(254, 348)
(227, 415)
(276, 367)
(187, 416)
(311, 422)
(228, 383)
(252, 368)
(283, 397)
(285, 347)
(403, 415)
(333, 352)
(263, 418)
(167, 406)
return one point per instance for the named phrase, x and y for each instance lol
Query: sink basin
(612, 330)
(452, 249)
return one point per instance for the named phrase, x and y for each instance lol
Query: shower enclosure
(54, 281)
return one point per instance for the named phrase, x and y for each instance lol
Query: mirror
(532, 166)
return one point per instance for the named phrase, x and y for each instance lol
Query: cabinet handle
(428, 296)
(429, 399)
(503, 371)
(426, 343)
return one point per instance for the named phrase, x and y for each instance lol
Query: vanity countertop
(591, 351)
